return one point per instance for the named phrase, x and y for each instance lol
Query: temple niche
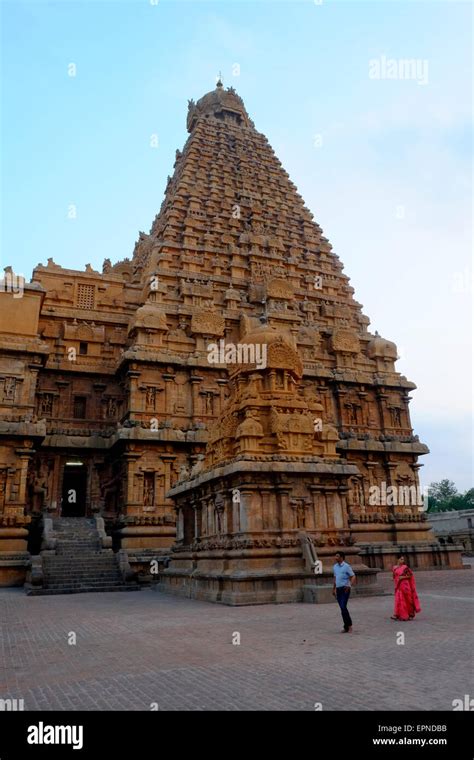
(107, 382)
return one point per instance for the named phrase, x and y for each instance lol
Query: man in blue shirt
(344, 579)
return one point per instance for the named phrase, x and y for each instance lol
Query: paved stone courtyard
(133, 650)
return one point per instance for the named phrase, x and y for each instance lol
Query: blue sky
(384, 164)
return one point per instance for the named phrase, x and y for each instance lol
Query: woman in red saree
(406, 599)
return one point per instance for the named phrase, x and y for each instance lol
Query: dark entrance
(74, 491)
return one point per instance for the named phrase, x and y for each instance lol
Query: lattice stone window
(85, 296)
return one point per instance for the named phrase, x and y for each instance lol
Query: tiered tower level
(106, 387)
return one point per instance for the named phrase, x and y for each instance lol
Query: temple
(123, 430)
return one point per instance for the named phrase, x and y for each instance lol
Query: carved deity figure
(150, 397)
(209, 403)
(112, 408)
(396, 416)
(148, 490)
(9, 388)
(300, 506)
(46, 405)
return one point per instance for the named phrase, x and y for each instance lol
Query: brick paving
(133, 650)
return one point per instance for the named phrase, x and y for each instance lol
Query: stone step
(111, 574)
(93, 540)
(76, 561)
(77, 552)
(89, 584)
(84, 551)
(98, 560)
(92, 568)
(76, 549)
(81, 576)
(82, 569)
(70, 529)
(95, 557)
(84, 590)
(79, 563)
(77, 540)
(74, 568)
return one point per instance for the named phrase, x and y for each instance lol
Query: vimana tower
(215, 405)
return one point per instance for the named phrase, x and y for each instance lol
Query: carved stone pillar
(195, 383)
(168, 463)
(382, 407)
(169, 391)
(133, 502)
(283, 498)
(340, 401)
(222, 383)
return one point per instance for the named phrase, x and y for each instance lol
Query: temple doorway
(73, 503)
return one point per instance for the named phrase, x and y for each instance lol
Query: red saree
(406, 598)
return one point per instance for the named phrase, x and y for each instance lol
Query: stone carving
(45, 405)
(149, 317)
(345, 341)
(249, 432)
(207, 323)
(279, 288)
(112, 408)
(149, 489)
(150, 397)
(9, 389)
(184, 472)
(198, 466)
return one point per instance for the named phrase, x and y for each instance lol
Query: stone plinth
(422, 556)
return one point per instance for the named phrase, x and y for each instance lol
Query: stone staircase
(79, 563)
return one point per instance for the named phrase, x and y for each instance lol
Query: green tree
(444, 497)
(463, 501)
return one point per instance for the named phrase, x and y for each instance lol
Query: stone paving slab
(135, 650)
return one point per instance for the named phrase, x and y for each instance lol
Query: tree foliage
(443, 496)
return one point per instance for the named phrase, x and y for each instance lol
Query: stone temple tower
(112, 383)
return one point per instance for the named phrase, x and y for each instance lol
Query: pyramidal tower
(219, 392)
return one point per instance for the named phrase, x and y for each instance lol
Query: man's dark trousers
(343, 597)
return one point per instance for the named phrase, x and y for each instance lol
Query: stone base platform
(266, 578)
(421, 556)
